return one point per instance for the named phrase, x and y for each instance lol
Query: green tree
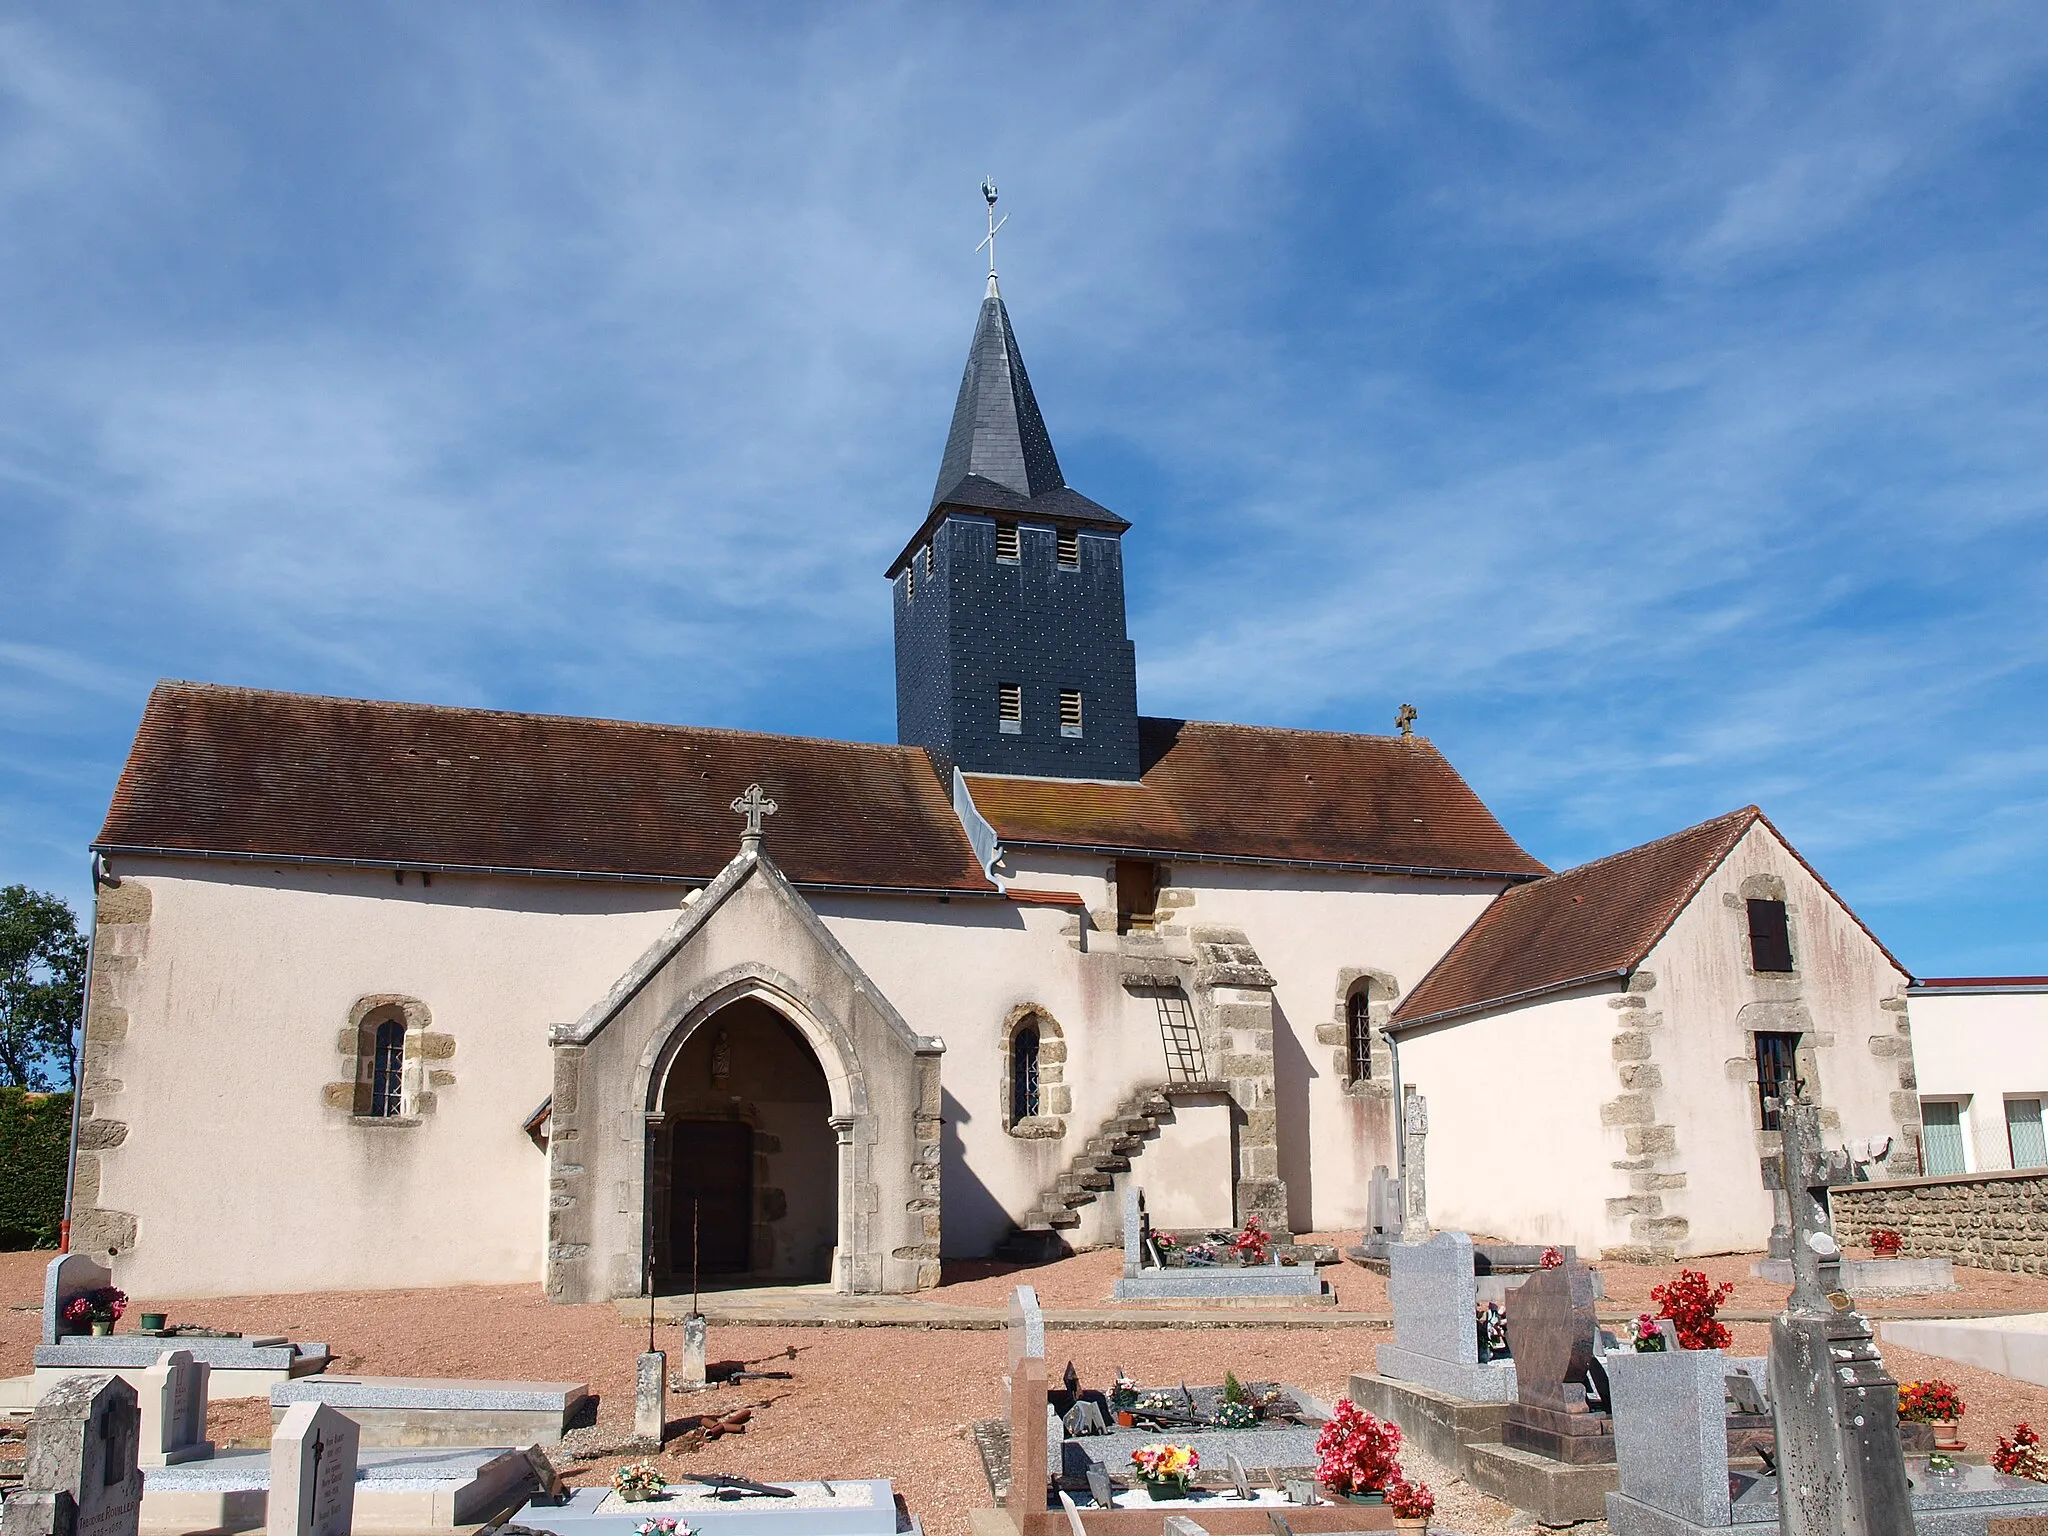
(42, 983)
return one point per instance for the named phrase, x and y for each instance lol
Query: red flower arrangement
(1691, 1301)
(2021, 1455)
(1553, 1258)
(103, 1305)
(1886, 1243)
(1931, 1402)
(1410, 1501)
(1254, 1245)
(1356, 1453)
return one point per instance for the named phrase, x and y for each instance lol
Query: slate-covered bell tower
(1011, 652)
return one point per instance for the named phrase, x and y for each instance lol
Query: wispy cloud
(1654, 399)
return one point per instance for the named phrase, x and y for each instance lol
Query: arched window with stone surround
(387, 1070)
(1358, 1032)
(1024, 1095)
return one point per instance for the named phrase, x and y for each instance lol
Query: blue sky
(1655, 396)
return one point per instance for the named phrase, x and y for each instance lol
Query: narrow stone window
(1358, 1032)
(1070, 712)
(1070, 549)
(1008, 546)
(1024, 1074)
(1770, 937)
(1010, 708)
(387, 1070)
(1776, 1060)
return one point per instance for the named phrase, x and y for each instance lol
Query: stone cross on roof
(1405, 719)
(753, 805)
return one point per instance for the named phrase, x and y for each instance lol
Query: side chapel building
(397, 995)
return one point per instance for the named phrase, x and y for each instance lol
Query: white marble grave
(312, 1473)
(173, 1399)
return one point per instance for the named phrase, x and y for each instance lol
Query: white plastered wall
(1516, 1149)
(240, 1176)
(1981, 1048)
(1712, 1002)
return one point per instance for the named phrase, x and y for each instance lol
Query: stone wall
(1984, 1220)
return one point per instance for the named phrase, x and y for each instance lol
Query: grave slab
(396, 1490)
(236, 1367)
(437, 1411)
(841, 1507)
(1875, 1277)
(1252, 1285)
(1493, 1382)
(1555, 1492)
(1974, 1501)
(2012, 1346)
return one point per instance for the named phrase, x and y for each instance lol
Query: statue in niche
(721, 1059)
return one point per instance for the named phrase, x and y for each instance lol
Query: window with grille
(2024, 1134)
(387, 1070)
(1776, 1060)
(1008, 546)
(1069, 548)
(1358, 1027)
(1942, 1136)
(1024, 1073)
(1770, 937)
(1010, 708)
(1070, 712)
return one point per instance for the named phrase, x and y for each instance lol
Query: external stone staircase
(1091, 1174)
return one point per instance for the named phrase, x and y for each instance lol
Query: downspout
(1400, 1123)
(92, 934)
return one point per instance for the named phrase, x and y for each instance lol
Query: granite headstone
(173, 1405)
(81, 1477)
(312, 1473)
(1552, 1330)
(1436, 1339)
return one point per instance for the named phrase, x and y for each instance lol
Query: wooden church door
(711, 1187)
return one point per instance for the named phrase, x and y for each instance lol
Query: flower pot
(1125, 1418)
(1946, 1437)
(153, 1322)
(635, 1495)
(1411, 1522)
(102, 1330)
(1166, 1487)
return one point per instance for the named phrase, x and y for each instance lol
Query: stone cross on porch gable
(753, 805)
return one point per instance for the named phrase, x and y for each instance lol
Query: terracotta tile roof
(1261, 794)
(246, 772)
(1599, 920)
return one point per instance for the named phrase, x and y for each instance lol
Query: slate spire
(997, 435)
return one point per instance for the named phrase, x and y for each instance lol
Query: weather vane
(988, 191)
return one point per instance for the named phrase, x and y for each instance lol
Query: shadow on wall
(972, 1220)
(1292, 1072)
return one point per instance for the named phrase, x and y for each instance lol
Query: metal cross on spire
(753, 805)
(988, 191)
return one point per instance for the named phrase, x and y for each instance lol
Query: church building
(391, 994)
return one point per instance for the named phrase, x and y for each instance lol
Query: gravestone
(1240, 1479)
(1414, 1189)
(67, 1276)
(1382, 1204)
(1552, 1330)
(650, 1396)
(312, 1473)
(81, 1477)
(1435, 1297)
(1100, 1489)
(1035, 1434)
(172, 1397)
(1134, 1231)
(695, 1374)
(1841, 1469)
(1670, 1438)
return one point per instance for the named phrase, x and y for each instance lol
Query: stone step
(1077, 1198)
(1107, 1163)
(1098, 1181)
(1063, 1219)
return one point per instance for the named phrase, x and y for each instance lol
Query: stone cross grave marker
(650, 1396)
(1414, 1186)
(81, 1477)
(1552, 1329)
(695, 1374)
(1382, 1204)
(1841, 1469)
(312, 1473)
(173, 1403)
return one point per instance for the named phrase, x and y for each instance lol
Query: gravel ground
(898, 1402)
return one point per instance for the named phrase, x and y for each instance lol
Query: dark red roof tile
(244, 771)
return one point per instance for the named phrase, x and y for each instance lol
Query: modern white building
(1982, 1047)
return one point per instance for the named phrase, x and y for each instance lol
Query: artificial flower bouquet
(662, 1525)
(1885, 1243)
(1356, 1454)
(1553, 1258)
(1254, 1245)
(2021, 1455)
(101, 1307)
(1410, 1501)
(1646, 1336)
(1165, 1469)
(1691, 1301)
(638, 1481)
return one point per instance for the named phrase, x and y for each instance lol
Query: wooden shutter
(1770, 937)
